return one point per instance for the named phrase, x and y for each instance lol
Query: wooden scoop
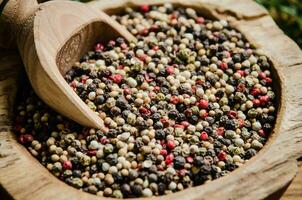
(51, 37)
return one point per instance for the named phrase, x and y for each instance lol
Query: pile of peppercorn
(189, 102)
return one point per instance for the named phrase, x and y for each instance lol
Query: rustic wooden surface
(269, 171)
(51, 37)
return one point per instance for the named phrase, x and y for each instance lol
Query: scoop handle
(14, 14)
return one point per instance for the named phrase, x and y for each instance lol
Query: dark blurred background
(288, 15)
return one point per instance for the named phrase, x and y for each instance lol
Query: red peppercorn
(268, 80)
(179, 126)
(121, 67)
(117, 78)
(144, 111)
(147, 78)
(171, 144)
(163, 152)
(124, 46)
(256, 102)
(28, 138)
(99, 47)
(241, 72)
(200, 20)
(127, 91)
(144, 8)
(170, 70)
(144, 32)
(203, 136)
(189, 159)
(262, 133)
(111, 42)
(220, 131)
(206, 114)
(143, 57)
(174, 100)
(67, 165)
(74, 83)
(255, 91)
(261, 75)
(182, 172)
(169, 159)
(155, 48)
(240, 87)
(165, 122)
(232, 114)
(84, 78)
(21, 139)
(222, 156)
(264, 99)
(91, 152)
(156, 88)
(224, 66)
(154, 28)
(185, 124)
(203, 104)
(241, 122)
(104, 140)
(227, 54)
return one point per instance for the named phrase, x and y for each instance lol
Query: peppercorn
(179, 162)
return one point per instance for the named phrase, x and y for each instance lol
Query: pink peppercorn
(91, 152)
(256, 102)
(171, 144)
(174, 100)
(124, 46)
(170, 70)
(179, 126)
(144, 8)
(99, 47)
(262, 133)
(222, 156)
(144, 111)
(232, 114)
(223, 66)
(104, 141)
(67, 165)
(121, 67)
(261, 75)
(268, 80)
(264, 99)
(203, 136)
(203, 103)
(241, 72)
(220, 131)
(169, 159)
(117, 78)
(21, 139)
(28, 138)
(112, 43)
(163, 152)
(255, 91)
(241, 122)
(200, 20)
(185, 124)
(189, 159)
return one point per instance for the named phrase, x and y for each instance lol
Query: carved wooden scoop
(51, 37)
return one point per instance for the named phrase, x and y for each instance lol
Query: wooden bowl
(273, 168)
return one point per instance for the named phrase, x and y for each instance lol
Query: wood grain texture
(294, 191)
(50, 38)
(271, 169)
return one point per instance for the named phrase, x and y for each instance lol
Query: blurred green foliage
(287, 14)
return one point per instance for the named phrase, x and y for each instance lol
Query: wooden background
(293, 192)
